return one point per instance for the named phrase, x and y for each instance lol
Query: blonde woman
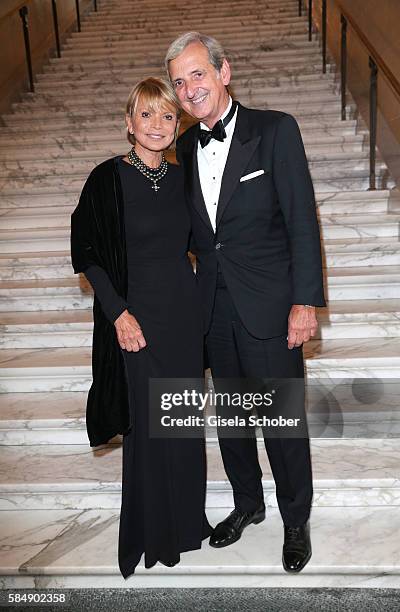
(129, 236)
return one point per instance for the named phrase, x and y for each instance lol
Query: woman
(129, 235)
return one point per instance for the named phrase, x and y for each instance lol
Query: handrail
(372, 51)
(22, 8)
(375, 63)
(15, 10)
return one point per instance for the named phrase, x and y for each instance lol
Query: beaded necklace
(153, 174)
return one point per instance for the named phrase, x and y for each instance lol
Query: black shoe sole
(256, 520)
(296, 571)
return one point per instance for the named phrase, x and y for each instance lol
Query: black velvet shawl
(98, 238)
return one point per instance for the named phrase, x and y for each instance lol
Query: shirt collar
(228, 108)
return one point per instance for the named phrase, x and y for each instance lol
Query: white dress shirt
(211, 162)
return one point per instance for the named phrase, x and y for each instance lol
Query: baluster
(343, 65)
(23, 13)
(78, 15)
(324, 20)
(55, 21)
(373, 107)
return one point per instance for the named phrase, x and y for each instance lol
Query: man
(259, 271)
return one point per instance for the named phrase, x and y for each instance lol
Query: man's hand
(302, 324)
(130, 336)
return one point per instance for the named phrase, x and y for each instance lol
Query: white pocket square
(247, 177)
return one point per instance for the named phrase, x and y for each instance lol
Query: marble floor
(352, 547)
(60, 499)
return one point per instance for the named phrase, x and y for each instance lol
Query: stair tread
(75, 548)
(351, 309)
(323, 351)
(336, 462)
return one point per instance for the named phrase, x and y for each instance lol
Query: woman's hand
(130, 336)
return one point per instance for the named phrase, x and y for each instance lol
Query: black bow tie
(218, 131)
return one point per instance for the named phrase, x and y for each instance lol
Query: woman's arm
(129, 333)
(112, 304)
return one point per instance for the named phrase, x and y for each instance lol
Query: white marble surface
(346, 472)
(359, 548)
(59, 499)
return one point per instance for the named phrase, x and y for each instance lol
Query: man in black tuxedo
(259, 271)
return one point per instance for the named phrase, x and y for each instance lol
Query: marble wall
(379, 23)
(13, 70)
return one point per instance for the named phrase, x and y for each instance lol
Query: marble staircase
(59, 499)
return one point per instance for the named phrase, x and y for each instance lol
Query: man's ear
(225, 72)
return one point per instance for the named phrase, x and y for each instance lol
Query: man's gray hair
(215, 50)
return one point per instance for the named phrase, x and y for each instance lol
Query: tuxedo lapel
(193, 186)
(242, 148)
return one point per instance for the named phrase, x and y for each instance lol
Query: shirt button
(218, 245)
(215, 203)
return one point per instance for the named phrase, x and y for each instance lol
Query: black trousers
(234, 353)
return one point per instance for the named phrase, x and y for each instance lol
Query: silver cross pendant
(155, 187)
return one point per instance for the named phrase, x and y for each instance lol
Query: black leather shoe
(230, 530)
(168, 563)
(296, 548)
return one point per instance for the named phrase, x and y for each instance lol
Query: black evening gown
(163, 479)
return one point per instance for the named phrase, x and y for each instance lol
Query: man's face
(201, 89)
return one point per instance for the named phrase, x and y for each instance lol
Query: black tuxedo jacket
(267, 240)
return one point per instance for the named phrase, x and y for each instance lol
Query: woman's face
(153, 129)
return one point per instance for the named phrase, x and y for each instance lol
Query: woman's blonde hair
(157, 94)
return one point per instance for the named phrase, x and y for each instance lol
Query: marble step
(360, 252)
(268, 62)
(331, 209)
(244, 39)
(240, 90)
(293, 107)
(332, 226)
(346, 472)
(360, 226)
(77, 143)
(153, 58)
(356, 202)
(46, 329)
(333, 147)
(218, 26)
(327, 202)
(318, 160)
(363, 282)
(336, 253)
(50, 294)
(17, 190)
(297, 73)
(352, 547)
(276, 40)
(108, 103)
(39, 265)
(28, 419)
(122, 42)
(226, 10)
(253, 77)
(111, 7)
(69, 369)
(341, 283)
(214, 25)
(239, 84)
(330, 124)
